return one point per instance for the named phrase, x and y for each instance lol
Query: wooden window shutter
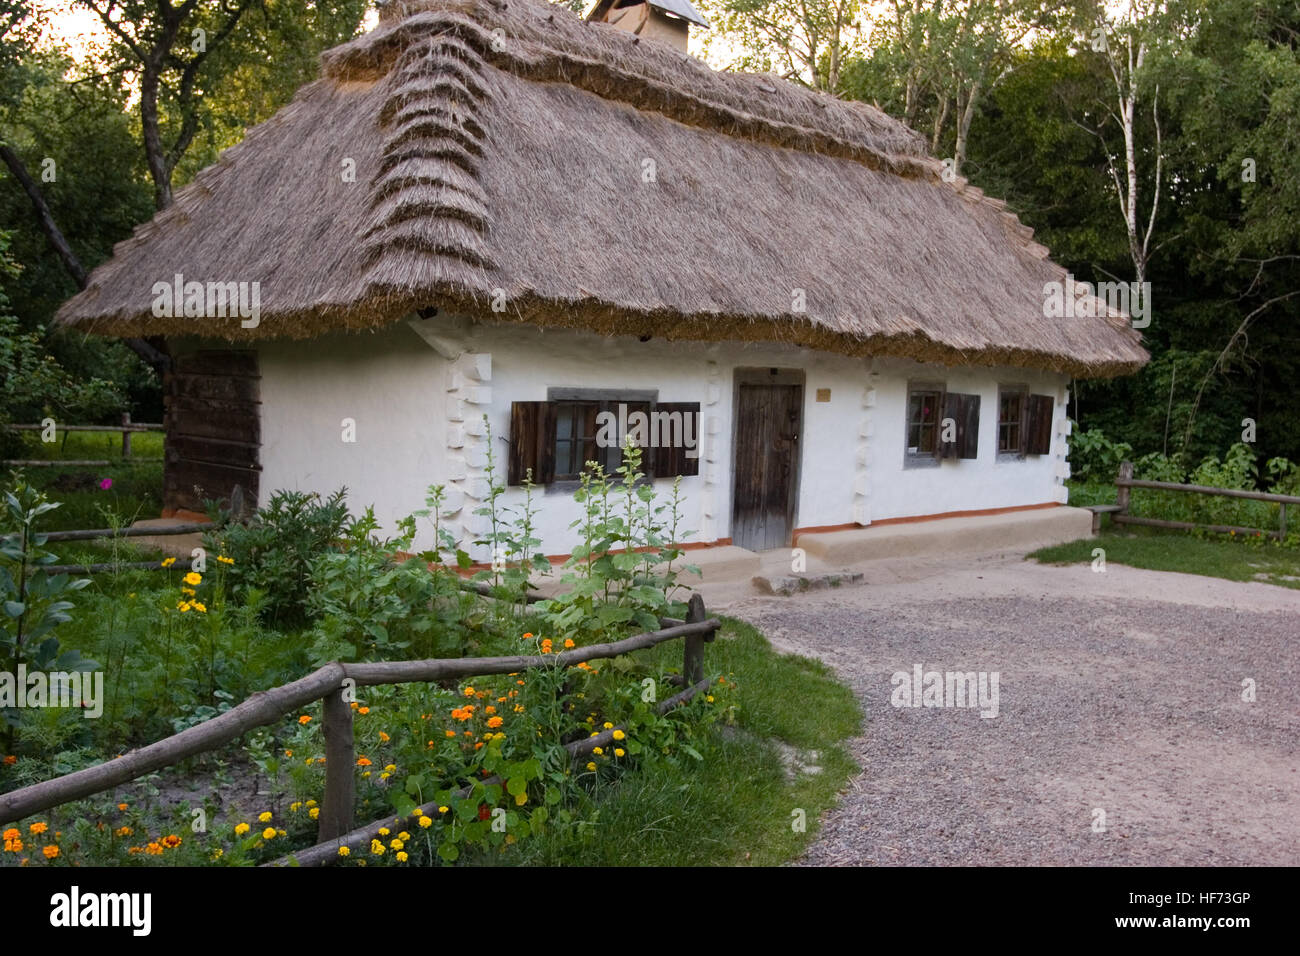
(532, 442)
(964, 410)
(671, 460)
(1038, 430)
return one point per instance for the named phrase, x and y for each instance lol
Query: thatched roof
(500, 148)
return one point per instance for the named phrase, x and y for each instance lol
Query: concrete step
(1013, 531)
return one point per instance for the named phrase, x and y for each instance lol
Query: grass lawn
(1157, 550)
(135, 492)
(737, 804)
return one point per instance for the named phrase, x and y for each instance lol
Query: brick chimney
(668, 21)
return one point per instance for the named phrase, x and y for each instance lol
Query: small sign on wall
(823, 394)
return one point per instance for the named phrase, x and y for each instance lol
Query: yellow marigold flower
(38, 828)
(709, 698)
(397, 844)
(314, 812)
(200, 607)
(264, 816)
(383, 737)
(167, 562)
(123, 832)
(50, 851)
(391, 768)
(607, 725)
(268, 833)
(424, 822)
(376, 848)
(383, 831)
(305, 719)
(618, 751)
(403, 836)
(402, 858)
(190, 591)
(225, 560)
(310, 803)
(281, 833)
(619, 735)
(218, 853)
(345, 851)
(241, 829)
(193, 579)
(519, 708)
(183, 606)
(591, 766)
(598, 751)
(366, 774)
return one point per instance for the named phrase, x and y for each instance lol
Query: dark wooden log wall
(214, 429)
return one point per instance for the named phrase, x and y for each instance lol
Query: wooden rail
(1125, 481)
(327, 684)
(127, 428)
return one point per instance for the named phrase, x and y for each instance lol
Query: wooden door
(769, 415)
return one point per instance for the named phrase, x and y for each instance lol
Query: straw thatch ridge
(507, 152)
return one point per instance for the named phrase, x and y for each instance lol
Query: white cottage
(491, 208)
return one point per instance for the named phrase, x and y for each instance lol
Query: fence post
(1282, 506)
(1121, 491)
(338, 802)
(126, 436)
(693, 653)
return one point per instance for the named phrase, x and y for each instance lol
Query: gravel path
(1119, 692)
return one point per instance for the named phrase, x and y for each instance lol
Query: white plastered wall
(417, 392)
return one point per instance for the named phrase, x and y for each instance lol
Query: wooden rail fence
(327, 685)
(1125, 481)
(127, 428)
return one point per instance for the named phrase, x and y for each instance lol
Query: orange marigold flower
(527, 635)
(304, 719)
(477, 745)
(568, 642)
(50, 852)
(38, 828)
(383, 737)
(363, 761)
(13, 833)
(363, 710)
(489, 709)
(495, 722)
(171, 841)
(451, 733)
(10, 760)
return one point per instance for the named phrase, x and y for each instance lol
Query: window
(1011, 420)
(923, 405)
(554, 440)
(577, 427)
(1024, 422)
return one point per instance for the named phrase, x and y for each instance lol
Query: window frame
(923, 459)
(1020, 389)
(602, 398)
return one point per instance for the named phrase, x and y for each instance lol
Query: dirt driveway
(1119, 693)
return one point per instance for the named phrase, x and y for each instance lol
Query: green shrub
(273, 553)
